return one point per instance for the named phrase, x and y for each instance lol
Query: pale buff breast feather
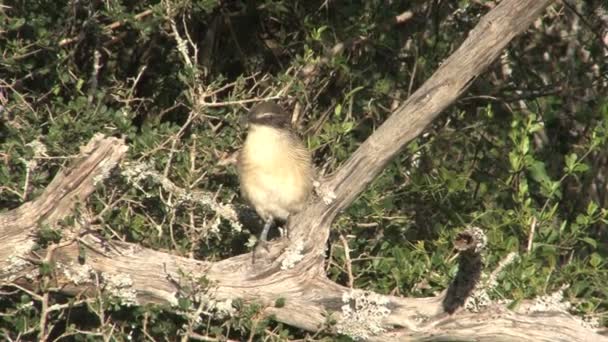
(276, 172)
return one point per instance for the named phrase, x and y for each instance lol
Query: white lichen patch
(214, 226)
(362, 314)
(38, 147)
(480, 299)
(25, 306)
(121, 287)
(39, 150)
(204, 305)
(76, 273)
(32, 274)
(222, 309)
(104, 172)
(480, 237)
(551, 302)
(327, 195)
(30, 164)
(236, 225)
(172, 299)
(293, 254)
(135, 173)
(590, 322)
(17, 261)
(555, 302)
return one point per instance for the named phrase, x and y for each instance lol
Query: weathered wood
(151, 277)
(139, 275)
(68, 188)
(482, 46)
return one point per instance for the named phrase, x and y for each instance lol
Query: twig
(531, 235)
(94, 81)
(349, 268)
(199, 337)
(4, 84)
(237, 102)
(26, 183)
(108, 27)
(506, 261)
(171, 153)
(136, 80)
(44, 310)
(593, 31)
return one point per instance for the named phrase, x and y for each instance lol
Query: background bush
(524, 147)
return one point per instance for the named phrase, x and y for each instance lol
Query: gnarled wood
(69, 187)
(149, 276)
(153, 275)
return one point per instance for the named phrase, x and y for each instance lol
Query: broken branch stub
(469, 245)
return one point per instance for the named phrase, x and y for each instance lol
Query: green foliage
(280, 302)
(522, 154)
(48, 235)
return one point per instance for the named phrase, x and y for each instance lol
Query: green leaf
(592, 208)
(538, 172)
(184, 303)
(570, 161)
(523, 189)
(515, 161)
(590, 241)
(279, 303)
(581, 167)
(353, 92)
(595, 260)
(525, 145)
(338, 110)
(582, 220)
(347, 126)
(535, 127)
(16, 23)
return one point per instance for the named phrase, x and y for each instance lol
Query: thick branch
(139, 275)
(483, 45)
(156, 277)
(69, 187)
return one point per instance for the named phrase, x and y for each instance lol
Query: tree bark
(139, 275)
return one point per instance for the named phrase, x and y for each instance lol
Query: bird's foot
(261, 251)
(263, 244)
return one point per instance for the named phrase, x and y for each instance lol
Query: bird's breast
(275, 172)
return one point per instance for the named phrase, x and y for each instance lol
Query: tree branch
(482, 46)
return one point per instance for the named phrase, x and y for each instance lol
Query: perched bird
(275, 168)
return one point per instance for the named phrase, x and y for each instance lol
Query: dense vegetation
(523, 154)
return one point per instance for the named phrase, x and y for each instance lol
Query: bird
(274, 166)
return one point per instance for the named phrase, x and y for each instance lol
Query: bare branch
(482, 46)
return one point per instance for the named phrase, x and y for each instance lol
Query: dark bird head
(268, 114)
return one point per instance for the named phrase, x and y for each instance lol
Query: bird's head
(268, 114)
